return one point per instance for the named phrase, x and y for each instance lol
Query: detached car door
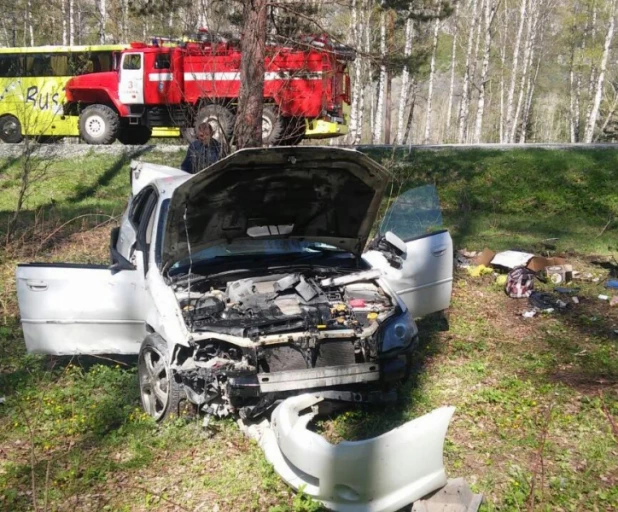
(81, 309)
(424, 279)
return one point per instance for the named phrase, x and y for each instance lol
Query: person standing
(203, 151)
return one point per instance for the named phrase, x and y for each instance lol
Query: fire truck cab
(306, 91)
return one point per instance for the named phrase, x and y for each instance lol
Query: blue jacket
(200, 156)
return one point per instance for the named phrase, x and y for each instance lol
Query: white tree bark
(602, 70)
(102, 8)
(71, 22)
(65, 38)
(432, 74)
(502, 67)
(531, 30)
(465, 94)
(355, 29)
(573, 118)
(30, 29)
(379, 120)
(489, 13)
(451, 89)
(509, 102)
(593, 67)
(405, 82)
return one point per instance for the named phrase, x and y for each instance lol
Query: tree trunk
(531, 84)
(573, 118)
(365, 69)
(405, 81)
(65, 39)
(601, 79)
(412, 96)
(531, 29)
(432, 72)
(379, 117)
(502, 66)
(509, 102)
(356, 28)
(593, 67)
(29, 23)
(71, 23)
(248, 129)
(465, 94)
(451, 89)
(489, 12)
(102, 7)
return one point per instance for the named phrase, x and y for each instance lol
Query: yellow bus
(32, 81)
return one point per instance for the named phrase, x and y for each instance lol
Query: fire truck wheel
(10, 130)
(272, 125)
(134, 135)
(220, 118)
(98, 124)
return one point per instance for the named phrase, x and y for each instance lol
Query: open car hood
(316, 194)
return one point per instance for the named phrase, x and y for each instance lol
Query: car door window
(414, 214)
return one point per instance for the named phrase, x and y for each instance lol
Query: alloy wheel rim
(154, 383)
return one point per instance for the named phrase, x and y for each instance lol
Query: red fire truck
(306, 91)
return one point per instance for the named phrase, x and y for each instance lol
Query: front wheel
(160, 393)
(99, 124)
(10, 130)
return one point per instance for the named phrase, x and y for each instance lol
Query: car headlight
(397, 333)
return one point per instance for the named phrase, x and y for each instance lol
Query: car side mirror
(118, 261)
(392, 247)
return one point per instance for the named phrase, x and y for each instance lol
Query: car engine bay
(273, 324)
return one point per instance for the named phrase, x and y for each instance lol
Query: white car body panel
(382, 474)
(425, 281)
(81, 309)
(143, 173)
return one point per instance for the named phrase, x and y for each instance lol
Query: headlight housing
(397, 333)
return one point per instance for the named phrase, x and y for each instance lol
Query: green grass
(530, 393)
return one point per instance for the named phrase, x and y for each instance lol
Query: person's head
(204, 132)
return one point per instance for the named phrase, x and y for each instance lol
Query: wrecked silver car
(247, 283)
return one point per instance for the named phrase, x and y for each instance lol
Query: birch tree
(489, 13)
(71, 22)
(432, 72)
(602, 70)
(451, 89)
(102, 12)
(464, 103)
(509, 102)
(405, 82)
(379, 113)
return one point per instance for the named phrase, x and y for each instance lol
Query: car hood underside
(317, 194)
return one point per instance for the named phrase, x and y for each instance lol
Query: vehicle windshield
(290, 250)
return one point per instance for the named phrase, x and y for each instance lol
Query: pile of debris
(518, 271)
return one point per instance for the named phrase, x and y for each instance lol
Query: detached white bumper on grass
(382, 474)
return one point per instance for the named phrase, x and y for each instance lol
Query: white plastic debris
(529, 314)
(603, 297)
(575, 300)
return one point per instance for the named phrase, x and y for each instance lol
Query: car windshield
(288, 249)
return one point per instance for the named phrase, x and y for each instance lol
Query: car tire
(10, 130)
(99, 124)
(272, 125)
(161, 395)
(220, 118)
(134, 135)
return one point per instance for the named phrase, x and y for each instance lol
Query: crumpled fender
(381, 474)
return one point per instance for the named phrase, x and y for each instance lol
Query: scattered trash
(2, 399)
(612, 283)
(455, 496)
(575, 300)
(529, 314)
(603, 297)
(462, 261)
(501, 280)
(561, 304)
(543, 302)
(565, 290)
(479, 270)
(558, 274)
(519, 283)
(468, 254)
(613, 301)
(511, 259)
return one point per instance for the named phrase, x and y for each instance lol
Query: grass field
(537, 399)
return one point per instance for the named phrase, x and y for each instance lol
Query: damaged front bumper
(381, 474)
